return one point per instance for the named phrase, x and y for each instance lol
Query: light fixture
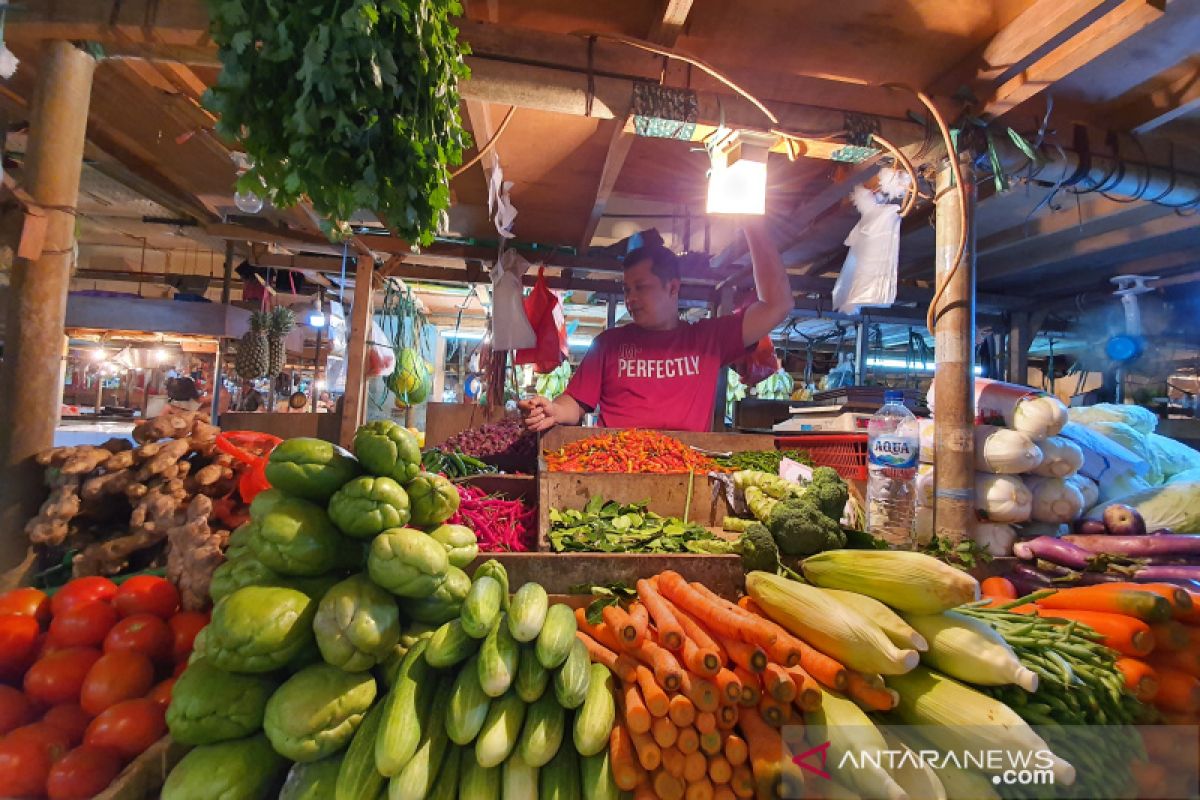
(98, 354)
(737, 180)
(321, 384)
(161, 356)
(248, 202)
(316, 317)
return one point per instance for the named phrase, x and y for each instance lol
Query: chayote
(316, 711)
(210, 705)
(259, 628)
(296, 537)
(310, 468)
(239, 540)
(386, 448)
(357, 624)
(432, 499)
(264, 501)
(445, 602)
(367, 506)
(407, 562)
(315, 780)
(238, 769)
(460, 542)
(247, 570)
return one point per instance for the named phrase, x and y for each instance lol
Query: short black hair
(663, 262)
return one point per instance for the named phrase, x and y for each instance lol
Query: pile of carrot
(705, 686)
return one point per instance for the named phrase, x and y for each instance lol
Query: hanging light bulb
(316, 317)
(248, 202)
(737, 181)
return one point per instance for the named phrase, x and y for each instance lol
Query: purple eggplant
(1054, 550)
(1123, 520)
(1168, 574)
(1160, 532)
(1090, 527)
(1027, 580)
(1139, 546)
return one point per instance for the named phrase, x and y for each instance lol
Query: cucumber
(476, 782)
(557, 635)
(498, 660)
(449, 645)
(571, 680)
(594, 720)
(406, 711)
(314, 780)
(596, 778)
(501, 730)
(527, 612)
(358, 777)
(468, 705)
(545, 724)
(559, 780)
(482, 607)
(416, 779)
(446, 786)
(495, 570)
(520, 781)
(532, 677)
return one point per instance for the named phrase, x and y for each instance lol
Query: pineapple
(252, 357)
(282, 320)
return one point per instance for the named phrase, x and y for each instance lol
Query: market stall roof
(158, 191)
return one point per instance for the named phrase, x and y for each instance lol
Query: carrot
(717, 618)
(682, 711)
(688, 741)
(808, 693)
(723, 792)
(673, 761)
(710, 743)
(746, 602)
(649, 754)
(701, 789)
(1140, 678)
(728, 685)
(757, 628)
(695, 767)
(1150, 778)
(656, 699)
(751, 690)
(664, 732)
(1191, 616)
(727, 717)
(601, 633)
(1127, 635)
(627, 773)
(1185, 661)
(706, 722)
(779, 683)
(998, 588)
(667, 671)
(702, 662)
(867, 696)
(719, 769)
(1146, 606)
(670, 632)
(622, 666)
(764, 745)
(735, 750)
(668, 787)
(701, 692)
(1178, 597)
(1178, 692)
(774, 712)
(641, 623)
(1171, 636)
(644, 791)
(827, 671)
(742, 783)
(618, 621)
(637, 716)
(750, 657)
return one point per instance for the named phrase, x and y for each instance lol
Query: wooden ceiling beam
(1162, 99)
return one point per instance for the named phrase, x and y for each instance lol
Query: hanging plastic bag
(868, 276)
(759, 364)
(510, 324)
(380, 359)
(545, 314)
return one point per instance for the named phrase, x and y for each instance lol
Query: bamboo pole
(954, 354)
(30, 379)
(356, 350)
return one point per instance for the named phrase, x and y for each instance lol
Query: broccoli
(801, 528)
(829, 491)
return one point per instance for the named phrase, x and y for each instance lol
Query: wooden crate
(145, 775)
(443, 420)
(559, 572)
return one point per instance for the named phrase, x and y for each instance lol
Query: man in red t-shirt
(661, 372)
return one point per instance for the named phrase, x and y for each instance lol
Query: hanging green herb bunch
(350, 103)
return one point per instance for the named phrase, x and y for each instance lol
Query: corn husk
(848, 730)
(917, 779)
(906, 581)
(892, 624)
(971, 651)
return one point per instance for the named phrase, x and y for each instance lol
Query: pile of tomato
(85, 681)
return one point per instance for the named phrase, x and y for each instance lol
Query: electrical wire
(910, 195)
(483, 151)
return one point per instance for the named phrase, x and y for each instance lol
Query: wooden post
(1017, 357)
(954, 354)
(356, 350)
(218, 379)
(227, 275)
(439, 367)
(30, 385)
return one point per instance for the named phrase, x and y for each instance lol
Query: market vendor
(661, 372)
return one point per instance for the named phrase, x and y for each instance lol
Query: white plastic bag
(868, 276)
(510, 326)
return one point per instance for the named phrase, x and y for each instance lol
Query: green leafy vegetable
(609, 527)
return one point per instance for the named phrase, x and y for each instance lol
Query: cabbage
(1054, 499)
(1004, 451)
(996, 538)
(1173, 457)
(1134, 442)
(1087, 487)
(1140, 419)
(1060, 457)
(1038, 416)
(1179, 477)
(1175, 506)
(1102, 455)
(1002, 498)
(1115, 485)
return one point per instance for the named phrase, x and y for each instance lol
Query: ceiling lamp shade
(737, 180)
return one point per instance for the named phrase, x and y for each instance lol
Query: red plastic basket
(845, 452)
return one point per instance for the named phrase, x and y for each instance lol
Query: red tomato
(128, 727)
(24, 766)
(184, 627)
(141, 633)
(70, 719)
(18, 644)
(57, 677)
(161, 693)
(82, 773)
(54, 740)
(117, 676)
(83, 625)
(147, 594)
(30, 602)
(80, 591)
(180, 668)
(15, 709)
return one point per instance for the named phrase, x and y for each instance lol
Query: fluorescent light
(737, 181)
(161, 356)
(98, 354)
(316, 319)
(916, 366)
(477, 336)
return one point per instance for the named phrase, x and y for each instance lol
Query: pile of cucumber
(499, 703)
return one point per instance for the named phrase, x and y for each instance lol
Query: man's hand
(537, 414)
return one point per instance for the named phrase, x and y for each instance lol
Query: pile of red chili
(629, 451)
(501, 526)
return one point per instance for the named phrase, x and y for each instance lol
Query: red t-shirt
(657, 379)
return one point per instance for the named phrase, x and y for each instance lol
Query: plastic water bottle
(893, 449)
